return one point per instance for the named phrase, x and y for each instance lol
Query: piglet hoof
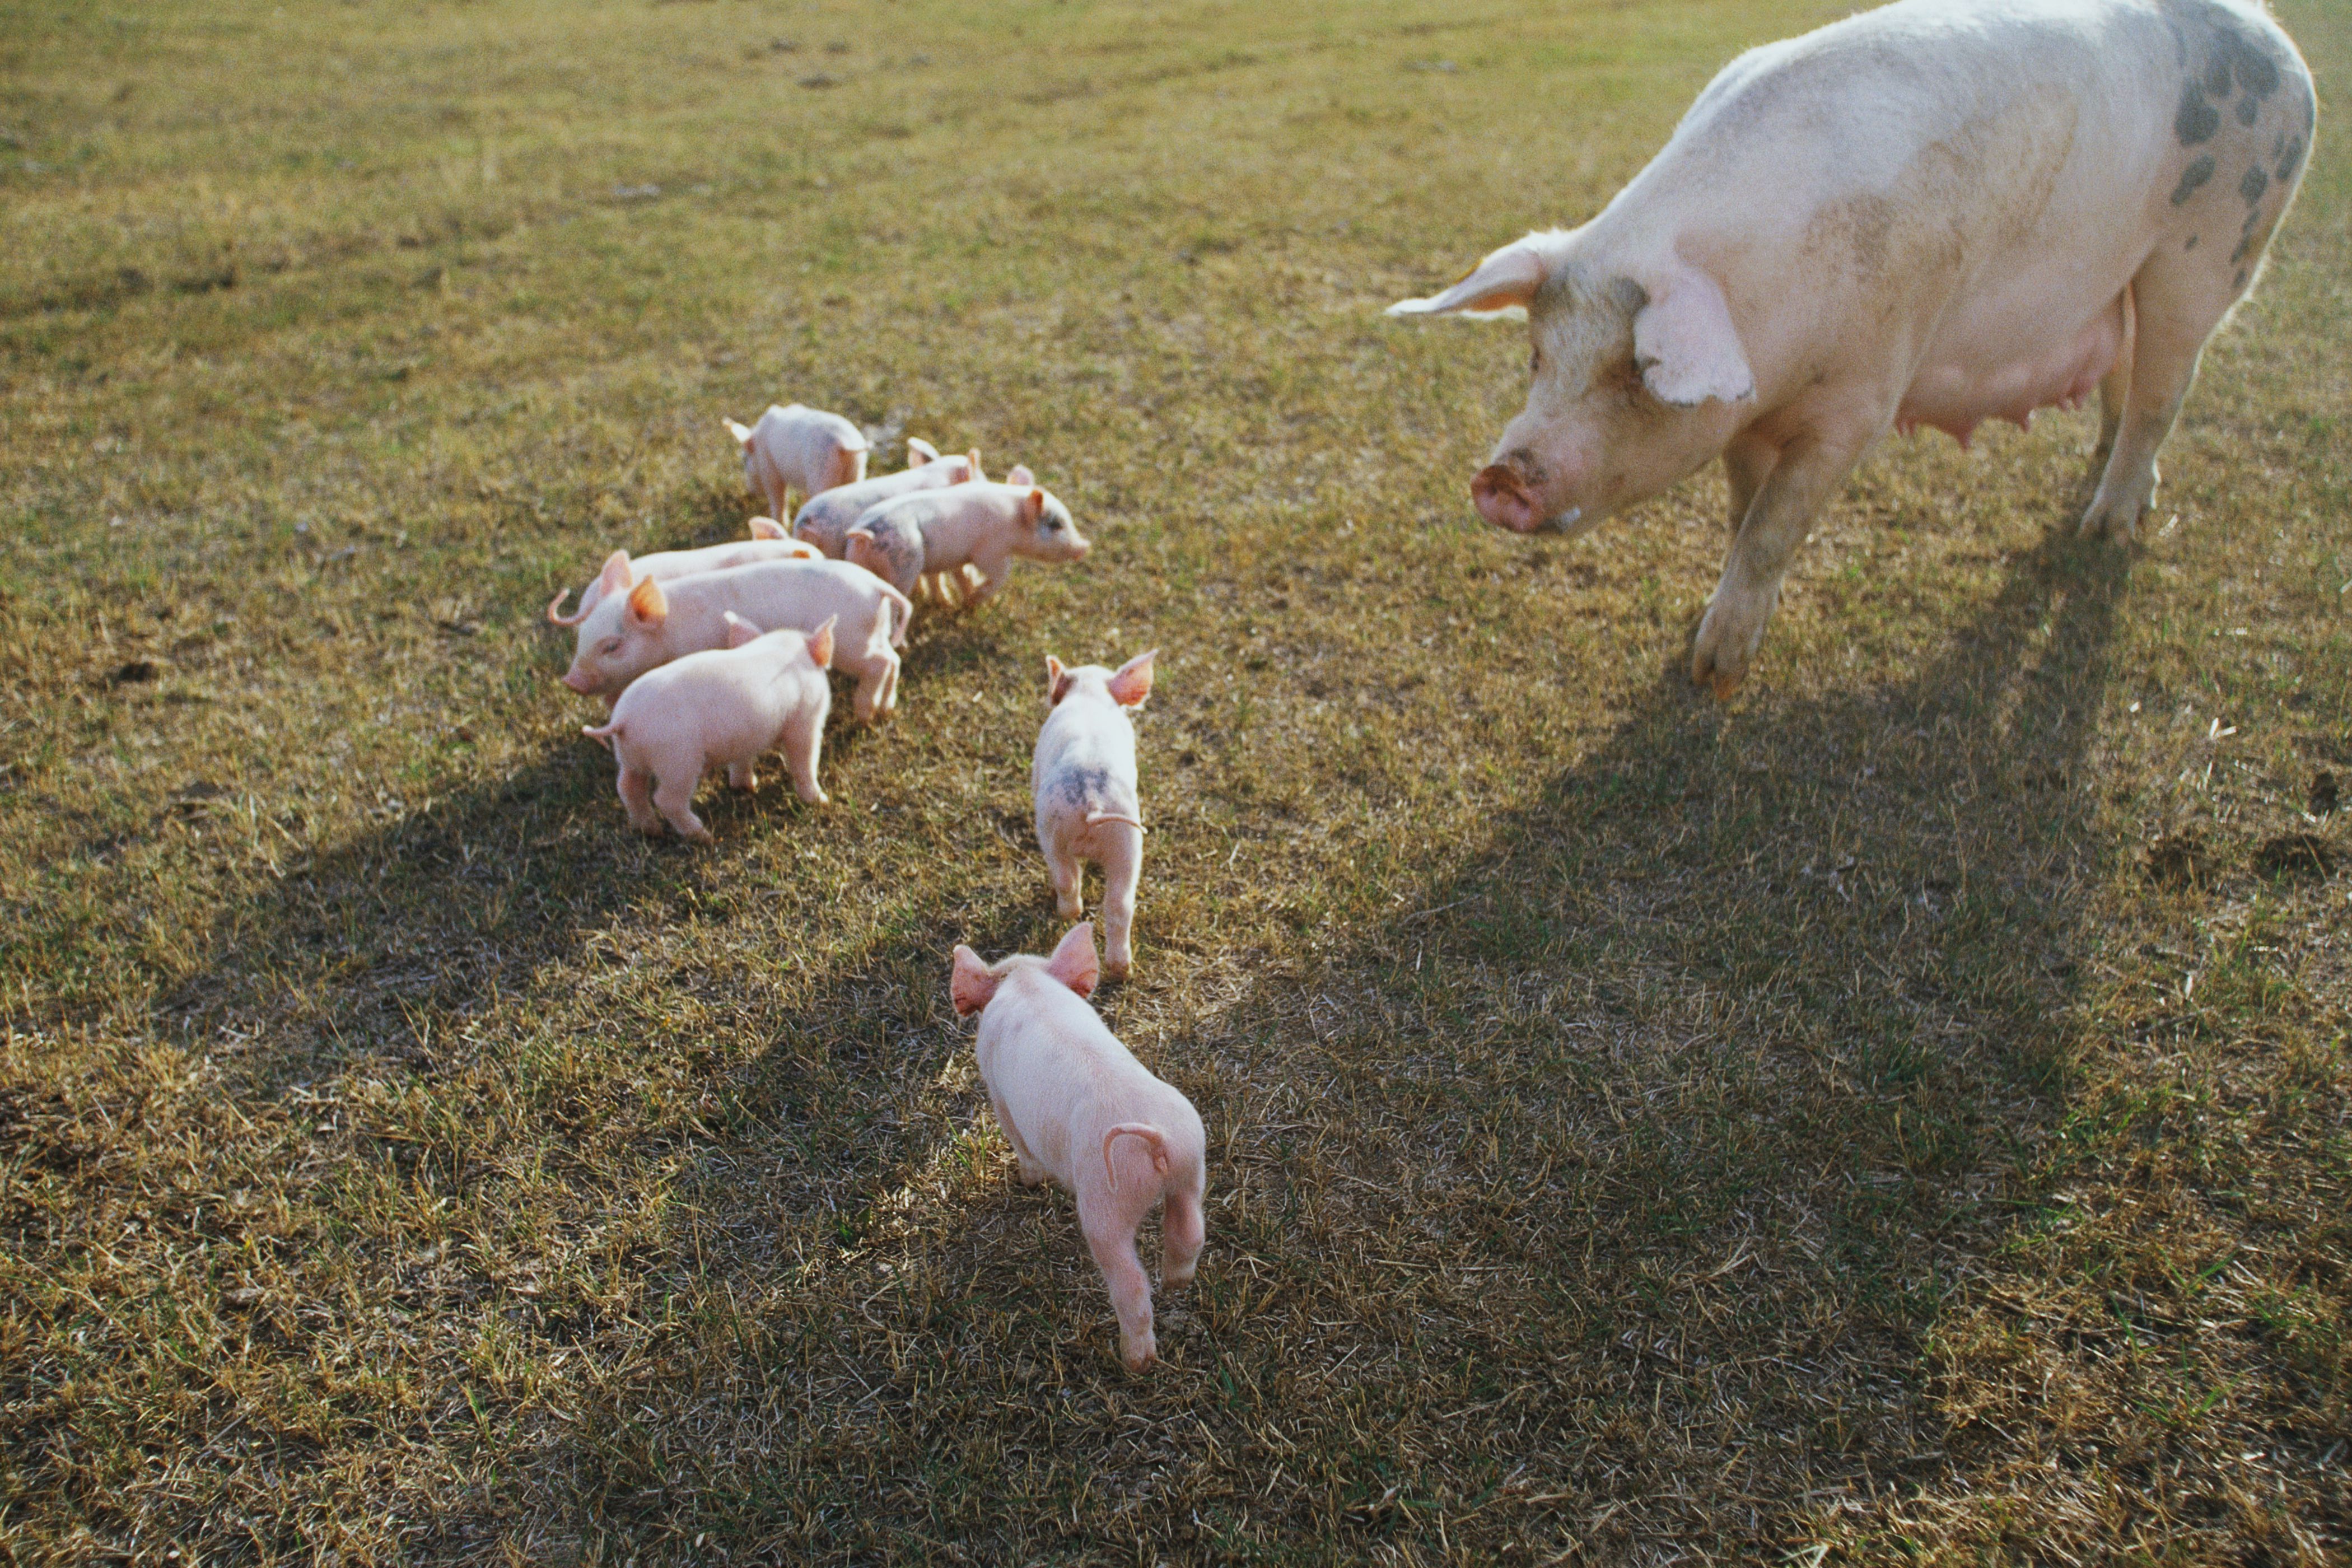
(1139, 1353)
(697, 835)
(1118, 968)
(816, 798)
(1033, 1175)
(746, 781)
(651, 826)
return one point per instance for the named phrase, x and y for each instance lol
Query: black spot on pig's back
(2200, 170)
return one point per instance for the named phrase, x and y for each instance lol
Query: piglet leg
(1110, 1237)
(1182, 1231)
(674, 795)
(740, 776)
(1068, 873)
(1121, 845)
(638, 796)
(802, 736)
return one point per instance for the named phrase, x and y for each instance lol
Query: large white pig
(768, 542)
(627, 634)
(1937, 213)
(798, 448)
(826, 520)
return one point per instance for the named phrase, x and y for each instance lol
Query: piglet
(721, 708)
(1077, 1107)
(652, 624)
(798, 448)
(826, 520)
(768, 542)
(965, 534)
(1083, 780)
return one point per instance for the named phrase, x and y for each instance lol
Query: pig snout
(580, 682)
(1505, 499)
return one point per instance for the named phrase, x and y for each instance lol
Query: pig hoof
(2104, 520)
(1033, 1175)
(817, 797)
(1116, 968)
(1141, 1355)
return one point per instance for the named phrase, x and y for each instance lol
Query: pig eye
(610, 644)
(1053, 523)
(1535, 360)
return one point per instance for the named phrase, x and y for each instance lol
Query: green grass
(1810, 1128)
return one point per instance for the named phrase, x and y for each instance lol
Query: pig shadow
(1778, 988)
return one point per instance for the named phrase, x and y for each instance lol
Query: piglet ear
(1686, 346)
(1057, 679)
(919, 451)
(971, 984)
(1073, 962)
(616, 576)
(1034, 503)
(1020, 475)
(1131, 682)
(1505, 281)
(646, 605)
(768, 528)
(739, 630)
(821, 643)
(742, 433)
(972, 457)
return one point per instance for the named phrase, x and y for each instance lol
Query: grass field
(1901, 1115)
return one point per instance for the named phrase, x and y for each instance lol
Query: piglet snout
(584, 684)
(1502, 496)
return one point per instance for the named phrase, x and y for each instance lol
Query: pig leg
(1122, 863)
(802, 736)
(674, 795)
(2113, 388)
(1182, 1231)
(979, 579)
(1110, 1237)
(638, 796)
(1810, 470)
(740, 776)
(2178, 300)
(1033, 1174)
(1747, 464)
(1068, 873)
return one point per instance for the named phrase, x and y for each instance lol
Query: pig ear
(739, 630)
(742, 433)
(1034, 503)
(1686, 346)
(1073, 962)
(1057, 679)
(973, 458)
(1506, 280)
(971, 984)
(821, 643)
(1131, 682)
(646, 605)
(919, 451)
(768, 528)
(615, 578)
(1020, 475)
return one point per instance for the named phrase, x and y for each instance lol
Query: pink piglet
(1079, 1107)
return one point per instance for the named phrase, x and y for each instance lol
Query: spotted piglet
(720, 707)
(1079, 1107)
(1083, 780)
